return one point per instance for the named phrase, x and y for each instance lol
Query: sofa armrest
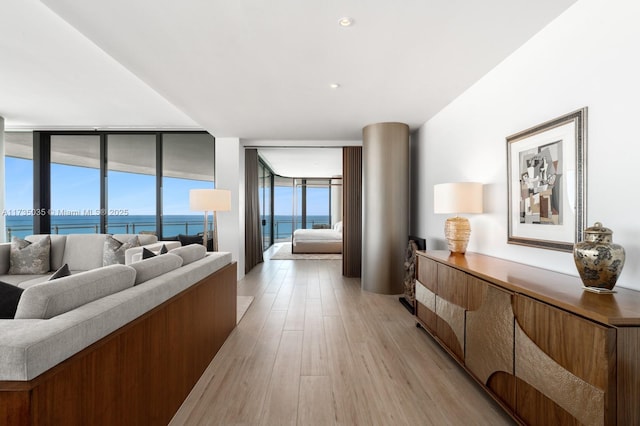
(5, 251)
(134, 254)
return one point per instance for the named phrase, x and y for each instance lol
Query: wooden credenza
(547, 351)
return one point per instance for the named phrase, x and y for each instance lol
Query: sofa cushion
(143, 238)
(113, 251)
(190, 253)
(46, 300)
(84, 251)
(155, 266)
(9, 297)
(24, 281)
(58, 243)
(62, 272)
(30, 258)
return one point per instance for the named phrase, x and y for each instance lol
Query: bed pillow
(30, 258)
(338, 226)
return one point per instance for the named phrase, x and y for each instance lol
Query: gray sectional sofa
(66, 318)
(81, 252)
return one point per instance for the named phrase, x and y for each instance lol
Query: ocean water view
(22, 225)
(283, 225)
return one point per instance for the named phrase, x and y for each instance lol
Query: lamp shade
(461, 197)
(217, 200)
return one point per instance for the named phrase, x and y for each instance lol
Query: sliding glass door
(187, 163)
(131, 184)
(265, 190)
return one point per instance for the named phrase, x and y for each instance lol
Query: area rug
(284, 253)
(243, 304)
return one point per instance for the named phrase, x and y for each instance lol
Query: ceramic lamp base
(456, 231)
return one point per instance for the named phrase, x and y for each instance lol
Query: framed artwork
(547, 183)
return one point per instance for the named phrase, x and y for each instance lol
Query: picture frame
(546, 179)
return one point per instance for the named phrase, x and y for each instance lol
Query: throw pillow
(30, 258)
(146, 253)
(113, 252)
(9, 298)
(185, 240)
(62, 272)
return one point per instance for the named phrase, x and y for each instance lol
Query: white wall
(229, 171)
(586, 57)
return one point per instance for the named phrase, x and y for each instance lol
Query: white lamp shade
(461, 197)
(217, 200)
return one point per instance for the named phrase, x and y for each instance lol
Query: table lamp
(215, 200)
(456, 198)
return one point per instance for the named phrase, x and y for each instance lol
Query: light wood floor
(313, 349)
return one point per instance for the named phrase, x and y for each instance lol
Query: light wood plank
(316, 404)
(314, 346)
(329, 302)
(296, 310)
(281, 403)
(356, 357)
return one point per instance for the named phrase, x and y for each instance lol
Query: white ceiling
(304, 162)
(252, 69)
(51, 76)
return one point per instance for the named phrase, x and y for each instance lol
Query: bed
(317, 240)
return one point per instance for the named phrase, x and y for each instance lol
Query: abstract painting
(546, 183)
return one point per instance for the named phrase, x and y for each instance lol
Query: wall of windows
(115, 182)
(75, 184)
(292, 204)
(314, 205)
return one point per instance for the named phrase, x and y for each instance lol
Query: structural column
(229, 170)
(385, 206)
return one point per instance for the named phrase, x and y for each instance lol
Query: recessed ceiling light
(345, 22)
(334, 85)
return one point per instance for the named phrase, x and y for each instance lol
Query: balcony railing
(283, 229)
(116, 228)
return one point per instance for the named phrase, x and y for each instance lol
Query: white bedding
(316, 235)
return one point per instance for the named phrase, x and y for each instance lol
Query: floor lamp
(210, 200)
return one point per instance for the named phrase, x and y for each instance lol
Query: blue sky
(77, 188)
(317, 201)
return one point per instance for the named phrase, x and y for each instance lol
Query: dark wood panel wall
(352, 214)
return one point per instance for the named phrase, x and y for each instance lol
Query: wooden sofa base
(140, 373)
